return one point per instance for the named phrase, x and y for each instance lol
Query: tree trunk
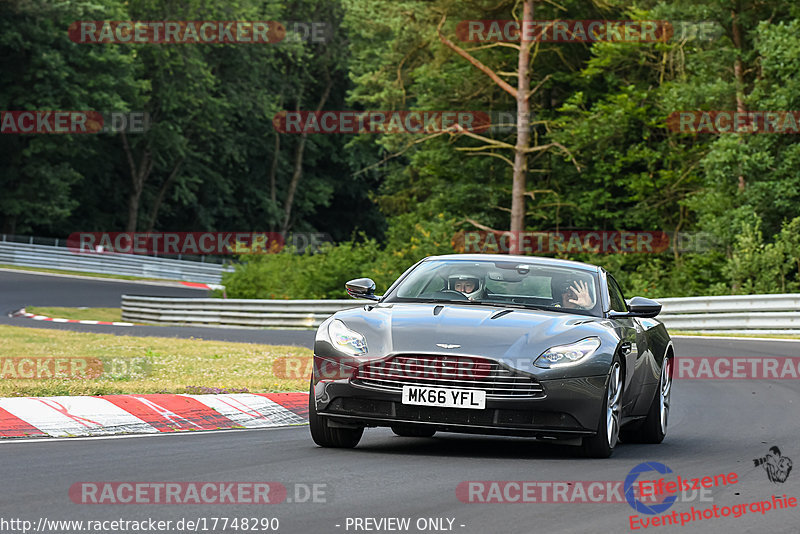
(297, 173)
(133, 210)
(139, 174)
(522, 148)
(161, 192)
(273, 171)
(523, 133)
(298, 163)
(738, 74)
(10, 224)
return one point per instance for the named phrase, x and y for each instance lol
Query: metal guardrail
(731, 303)
(232, 312)
(61, 258)
(746, 313)
(767, 314)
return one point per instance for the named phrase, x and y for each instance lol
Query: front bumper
(570, 408)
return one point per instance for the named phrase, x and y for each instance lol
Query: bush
(757, 267)
(754, 266)
(322, 275)
(662, 275)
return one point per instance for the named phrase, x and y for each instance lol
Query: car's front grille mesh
(461, 372)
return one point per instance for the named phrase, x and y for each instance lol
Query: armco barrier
(768, 314)
(61, 258)
(232, 312)
(728, 314)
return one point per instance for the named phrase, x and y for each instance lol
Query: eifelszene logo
(630, 484)
(666, 491)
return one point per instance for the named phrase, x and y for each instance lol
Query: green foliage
(661, 275)
(43, 70)
(211, 147)
(323, 275)
(758, 267)
(218, 164)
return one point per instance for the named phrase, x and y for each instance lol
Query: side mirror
(642, 307)
(639, 307)
(362, 288)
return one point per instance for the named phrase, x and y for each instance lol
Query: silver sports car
(494, 344)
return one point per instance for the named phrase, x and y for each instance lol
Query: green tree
(43, 70)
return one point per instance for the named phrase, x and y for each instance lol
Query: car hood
(494, 332)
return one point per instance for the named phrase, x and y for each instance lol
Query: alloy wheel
(665, 389)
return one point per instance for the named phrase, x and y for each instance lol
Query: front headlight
(564, 355)
(345, 339)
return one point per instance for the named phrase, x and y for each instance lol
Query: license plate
(444, 397)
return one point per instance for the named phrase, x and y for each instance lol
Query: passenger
(573, 294)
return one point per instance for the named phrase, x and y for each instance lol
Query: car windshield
(500, 283)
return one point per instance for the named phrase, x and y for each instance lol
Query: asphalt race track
(716, 427)
(20, 289)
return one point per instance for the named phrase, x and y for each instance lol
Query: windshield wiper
(480, 303)
(514, 305)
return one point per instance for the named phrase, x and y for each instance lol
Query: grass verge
(141, 364)
(81, 314)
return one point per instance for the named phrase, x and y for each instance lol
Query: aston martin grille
(462, 372)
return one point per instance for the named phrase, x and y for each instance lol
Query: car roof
(533, 260)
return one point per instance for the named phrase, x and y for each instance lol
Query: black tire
(325, 436)
(413, 431)
(651, 429)
(600, 445)
(630, 432)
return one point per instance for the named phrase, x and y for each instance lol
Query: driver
(570, 293)
(468, 285)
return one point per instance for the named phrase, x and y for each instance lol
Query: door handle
(625, 348)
